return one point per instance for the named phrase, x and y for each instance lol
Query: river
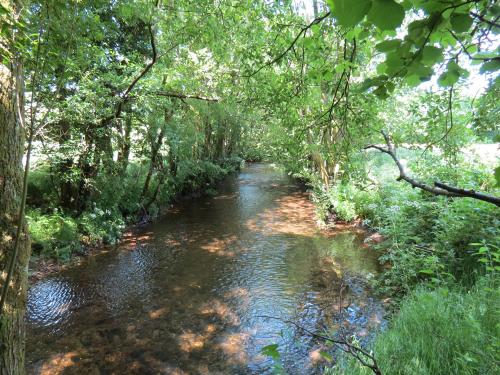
(206, 287)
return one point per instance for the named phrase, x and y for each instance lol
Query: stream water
(205, 288)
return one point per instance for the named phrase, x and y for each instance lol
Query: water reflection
(190, 295)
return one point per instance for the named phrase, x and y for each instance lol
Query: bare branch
(438, 188)
(354, 350)
(469, 193)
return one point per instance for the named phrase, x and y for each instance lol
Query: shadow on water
(189, 294)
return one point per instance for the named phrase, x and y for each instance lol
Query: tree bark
(12, 330)
(155, 149)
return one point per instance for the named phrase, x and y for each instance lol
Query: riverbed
(206, 287)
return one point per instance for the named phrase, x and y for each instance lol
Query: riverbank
(61, 240)
(441, 259)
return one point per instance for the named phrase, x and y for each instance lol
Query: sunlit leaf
(326, 355)
(349, 12)
(271, 351)
(386, 14)
(490, 66)
(460, 22)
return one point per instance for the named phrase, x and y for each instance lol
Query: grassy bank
(439, 331)
(59, 234)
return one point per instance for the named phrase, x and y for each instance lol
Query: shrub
(100, 225)
(54, 235)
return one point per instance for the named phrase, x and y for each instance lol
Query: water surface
(194, 292)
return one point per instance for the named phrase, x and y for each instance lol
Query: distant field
(382, 167)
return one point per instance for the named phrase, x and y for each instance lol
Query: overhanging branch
(282, 54)
(125, 96)
(439, 188)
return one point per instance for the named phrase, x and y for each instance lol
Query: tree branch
(184, 96)
(125, 96)
(438, 188)
(281, 55)
(354, 350)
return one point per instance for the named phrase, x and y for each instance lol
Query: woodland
(386, 109)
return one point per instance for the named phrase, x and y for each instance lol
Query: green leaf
(432, 55)
(3, 10)
(460, 22)
(497, 175)
(394, 62)
(427, 271)
(381, 92)
(271, 351)
(490, 66)
(413, 80)
(386, 14)
(451, 76)
(421, 71)
(416, 28)
(326, 355)
(349, 12)
(448, 78)
(388, 45)
(381, 68)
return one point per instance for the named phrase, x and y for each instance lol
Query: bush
(440, 332)
(53, 235)
(41, 192)
(427, 237)
(100, 225)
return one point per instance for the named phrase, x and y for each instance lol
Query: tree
(14, 240)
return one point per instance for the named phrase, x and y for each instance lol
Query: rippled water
(193, 293)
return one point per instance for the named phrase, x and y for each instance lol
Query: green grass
(439, 332)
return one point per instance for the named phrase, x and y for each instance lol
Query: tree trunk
(66, 185)
(124, 145)
(12, 331)
(155, 149)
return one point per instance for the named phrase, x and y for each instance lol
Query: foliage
(135, 102)
(436, 34)
(53, 235)
(427, 239)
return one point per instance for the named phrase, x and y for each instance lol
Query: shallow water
(193, 293)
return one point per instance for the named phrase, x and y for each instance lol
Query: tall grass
(439, 332)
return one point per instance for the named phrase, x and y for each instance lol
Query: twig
(281, 55)
(184, 96)
(343, 345)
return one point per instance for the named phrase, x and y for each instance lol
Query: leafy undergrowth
(58, 235)
(428, 239)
